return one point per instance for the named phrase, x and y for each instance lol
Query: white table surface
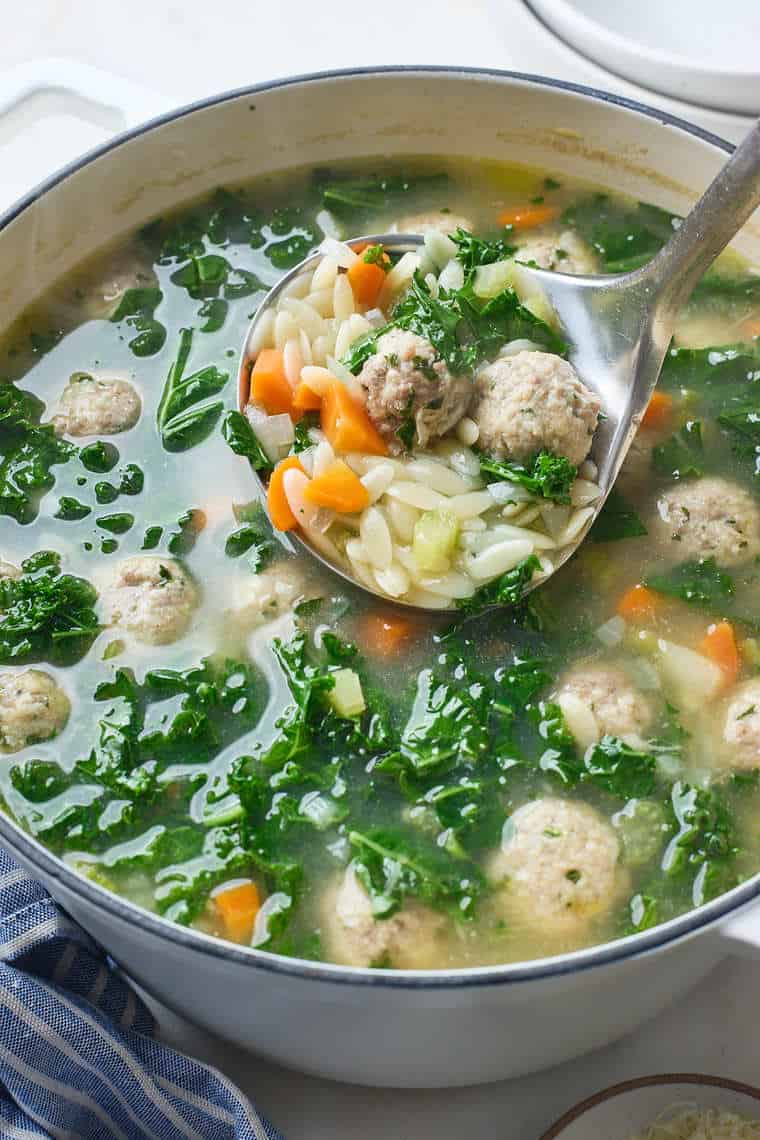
(183, 51)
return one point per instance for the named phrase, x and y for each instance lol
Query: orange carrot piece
(659, 410)
(269, 384)
(751, 328)
(337, 488)
(279, 511)
(305, 399)
(639, 604)
(528, 217)
(366, 278)
(237, 906)
(719, 644)
(347, 425)
(386, 634)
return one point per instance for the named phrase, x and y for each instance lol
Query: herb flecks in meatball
(710, 518)
(412, 396)
(532, 402)
(564, 252)
(33, 708)
(558, 866)
(90, 406)
(600, 700)
(443, 221)
(741, 729)
(152, 598)
(353, 936)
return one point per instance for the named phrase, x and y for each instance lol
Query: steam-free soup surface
(214, 727)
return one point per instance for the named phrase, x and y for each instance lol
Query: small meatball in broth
(89, 406)
(559, 867)
(562, 251)
(152, 598)
(406, 381)
(709, 518)
(741, 730)
(407, 940)
(600, 700)
(33, 708)
(261, 598)
(531, 402)
(445, 223)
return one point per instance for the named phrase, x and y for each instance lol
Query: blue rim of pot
(37, 857)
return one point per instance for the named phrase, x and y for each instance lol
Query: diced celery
(435, 537)
(346, 697)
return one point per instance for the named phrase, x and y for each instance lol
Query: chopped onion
(339, 252)
(611, 632)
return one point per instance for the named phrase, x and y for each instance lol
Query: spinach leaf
(547, 475)
(618, 768)
(616, 520)
(29, 451)
(212, 276)
(504, 591)
(681, 456)
(99, 457)
(705, 845)
(623, 236)
(187, 412)
(136, 308)
(701, 583)
(355, 198)
(46, 615)
(256, 536)
(242, 439)
(71, 510)
(118, 523)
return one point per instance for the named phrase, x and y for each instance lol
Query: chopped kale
(506, 590)
(356, 198)
(28, 452)
(473, 251)
(547, 475)
(46, 615)
(616, 520)
(701, 583)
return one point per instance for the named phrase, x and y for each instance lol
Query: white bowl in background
(624, 1110)
(689, 49)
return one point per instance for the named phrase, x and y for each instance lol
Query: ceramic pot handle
(742, 932)
(130, 102)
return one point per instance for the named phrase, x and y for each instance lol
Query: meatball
(152, 598)
(709, 518)
(558, 866)
(440, 220)
(565, 252)
(32, 708)
(741, 730)
(101, 289)
(8, 570)
(407, 384)
(600, 700)
(531, 402)
(89, 406)
(260, 598)
(353, 936)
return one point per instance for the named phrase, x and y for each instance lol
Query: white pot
(377, 1026)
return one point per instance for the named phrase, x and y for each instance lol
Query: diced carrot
(366, 279)
(719, 644)
(279, 511)
(337, 488)
(527, 217)
(347, 425)
(269, 384)
(386, 633)
(751, 328)
(305, 399)
(659, 410)
(237, 906)
(639, 604)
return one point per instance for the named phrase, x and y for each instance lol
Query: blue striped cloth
(78, 1056)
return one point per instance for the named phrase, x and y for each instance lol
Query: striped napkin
(78, 1055)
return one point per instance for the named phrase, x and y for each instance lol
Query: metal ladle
(618, 325)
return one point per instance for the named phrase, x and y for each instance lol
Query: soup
(218, 728)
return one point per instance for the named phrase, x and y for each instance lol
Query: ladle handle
(719, 214)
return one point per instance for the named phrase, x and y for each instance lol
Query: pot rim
(33, 853)
(654, 1081)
